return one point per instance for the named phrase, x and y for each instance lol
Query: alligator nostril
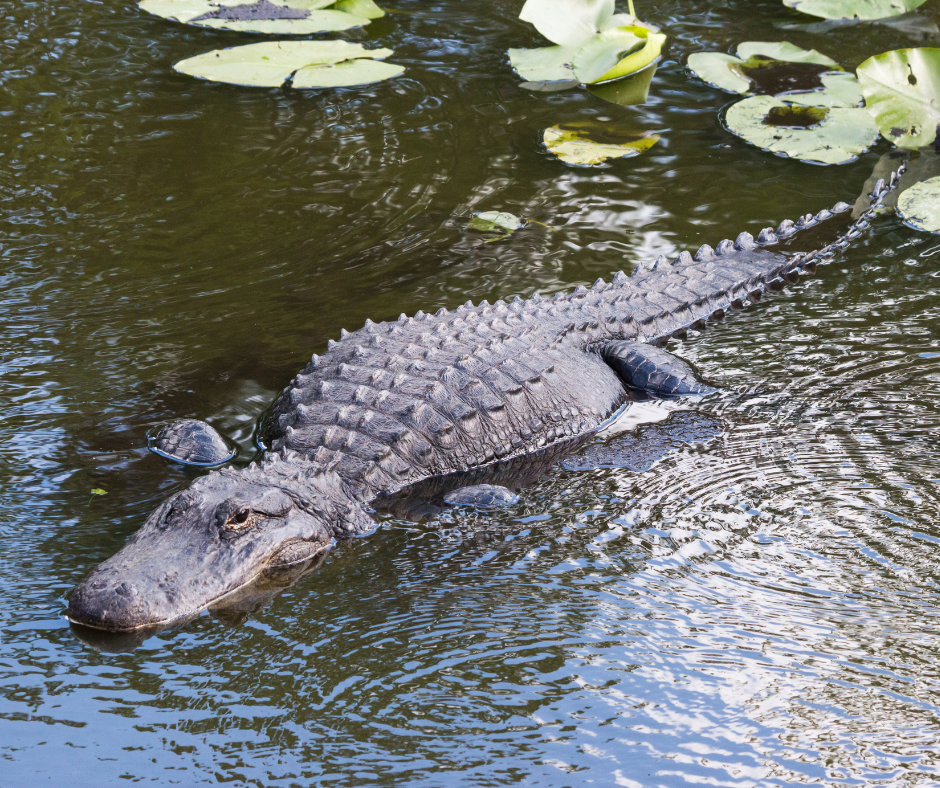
(126, 589)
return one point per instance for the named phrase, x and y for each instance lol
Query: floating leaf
(764, 67)
(280, 17)
(902, 91)
(364, 8)
(306, 63)
(495, 221)
(629, 91)
(586, 144)
(919, 206)
(545, 64)
(567, 22)
(817, 134)
(839, 90)
(858, 9)
(98, 491)
(617, 53)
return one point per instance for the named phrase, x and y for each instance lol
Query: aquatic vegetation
(902, 91)
(824, 135)
(299, 64)
(919, 206)
(592, 43)
(854, 9)
(272, 17)
(584, 144)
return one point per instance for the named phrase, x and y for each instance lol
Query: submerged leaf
(859, 9)
(98, 491)
(281, 17)
(763, 67)
(919, 206)
(583, 144)
(816, 134)
(495, 221)
(902, 91)
(271, 64)
(567, 22)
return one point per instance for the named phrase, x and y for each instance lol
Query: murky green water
(743, 594)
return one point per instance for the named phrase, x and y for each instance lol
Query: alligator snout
(114, 604)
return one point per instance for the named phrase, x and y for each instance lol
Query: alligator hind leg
(653, 371)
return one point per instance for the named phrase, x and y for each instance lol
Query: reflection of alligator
(430, 395)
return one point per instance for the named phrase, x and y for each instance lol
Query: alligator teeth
(767, 236)
(841, 207)
(823, 215)
(724, 247)
(744, 241)
(786, 229)
(705, 252)
(684, 258)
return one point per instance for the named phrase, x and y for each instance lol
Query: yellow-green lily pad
(588, 144)
(902, 91)
(919, 206)
(303, 64)
(495, 221)
(272, 17)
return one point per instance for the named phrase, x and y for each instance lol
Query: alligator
(434, 395)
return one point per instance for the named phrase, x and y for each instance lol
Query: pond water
(739, 592)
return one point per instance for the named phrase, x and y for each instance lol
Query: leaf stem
(632, 12)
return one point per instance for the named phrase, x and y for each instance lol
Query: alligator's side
(395, 403)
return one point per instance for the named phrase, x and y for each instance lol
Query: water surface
(743, 593)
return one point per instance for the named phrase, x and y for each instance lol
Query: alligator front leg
(649, 370)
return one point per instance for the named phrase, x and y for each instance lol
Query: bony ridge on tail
(399, 402)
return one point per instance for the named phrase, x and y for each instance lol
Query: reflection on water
(741, 591)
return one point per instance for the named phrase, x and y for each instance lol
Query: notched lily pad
(280, 17)
(902, 91)
(919, 206)
(764, 68)
(302, 64)
(586, 144)
(854, 9)
(822, 135)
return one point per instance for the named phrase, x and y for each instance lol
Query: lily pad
(919, 206)
(902, 91)
(567, 22)
(838, 90)
(279, 17)
(587, 144)
(495, 221)
(363, 8)
(763, 67)
(544, 64)
(615, 53)
(823, 135)
(628, 91)
(305, 64)
(857, 9)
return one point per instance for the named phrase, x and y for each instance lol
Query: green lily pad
(278, 17)
(567, 22)
(363, 8)
(902, 91)
(586, 144)
(838, 90)
(823, 135)
(919, 206)
(495, 221)
(545, 64)
(857, 9)
(302, 63)
(616, 53)
(763, 67)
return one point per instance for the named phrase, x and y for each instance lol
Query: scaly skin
(395, 403)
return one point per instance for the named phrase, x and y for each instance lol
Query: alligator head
(204, 544)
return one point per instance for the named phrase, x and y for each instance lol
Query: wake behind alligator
(396, 403)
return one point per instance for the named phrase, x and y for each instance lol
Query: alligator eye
(241, 519)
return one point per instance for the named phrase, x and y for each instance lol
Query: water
(742, 593)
